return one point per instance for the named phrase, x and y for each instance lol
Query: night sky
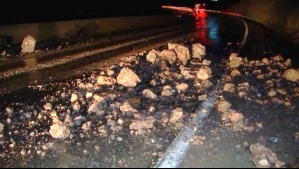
(28, 11)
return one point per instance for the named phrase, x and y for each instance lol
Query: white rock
(28, 45)
(204, 73)
(59, 131)
(176, 115)
(128, 78)
(88, 95)
(74, 97)
(152, 56)
(182, 87)
(142, 125)
(235, 61)
(264, 163)
(198, 51)
(103, 80)
(182, 53)
(149, 94)
(291, 75)
(168, 55)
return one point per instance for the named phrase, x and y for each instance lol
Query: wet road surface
(111, 147)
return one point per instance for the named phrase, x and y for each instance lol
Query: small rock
(74, 97)
(86, 126)
(236, 117)
(182, 87)
(278, 58)
(291, 75)
(128, 78)
(266, 61)
(167, 91)
(176, 115)
(142, 125)
(152, 56)
(235, 61)
(119, 138)
(28, 45)
(202, 97)
(98, 98)
(181, 51)
(88, 95)
(272, 93)
(235, 73)
(223, 106)
(264, 163)
(288, 62)
(48, 106)
(149, 94)
(206, 62)
(59, 131)
(168, 55)
(103, 80)
(198, 51)
(229, 87)
(204, 73)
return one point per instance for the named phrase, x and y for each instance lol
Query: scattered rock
(74, 97)
(128, 78)
(181, 51)
(223, 106)
(86, 126)
(236, 117)
(152, 56)
(291, 75)
(278, 58)
(168, 55)
(198, 51)
(266, 61)
(167, 91)
(59, 131)
(263, 157)
(235, 61)
(204, 73)
(176, 115)
(272, 93)
(149, 94)
(202, 97)
(103, 80)
(288, 62)
(235, 73)
(126, 107)
(229, 87)
(141, 125)
(88, 95)
(28, 45)
(182, 87)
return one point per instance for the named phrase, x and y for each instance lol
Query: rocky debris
(48, 106)
(167, 91)
(103, 80)
(86, 126)
(288, 62)
(140, 126)
(74, 97)
(278, 58)
(28, 44)
(198, 51)
(185, 73)
(204, 73)
(235, 73)
(168, 55)
(202, 97)
(229, 87)
(181, 51)
(176, 115)
(95, 108)
(262, 157)
(296, 137)
(223, 106)
(291, 75)
(149, 94)
(198, 140)
(59, 131)
(97, 98)
(89, 95)
(152, 56)
(126, 107)
(206, 62)
(127, 78)
(266, 61)
(182, 87)
(234, 60)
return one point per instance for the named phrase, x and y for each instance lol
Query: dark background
(28, 11)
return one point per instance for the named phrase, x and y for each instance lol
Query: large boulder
(168, 55)
(28, 45)
(181, 51)
(198, 51)
(127, 78)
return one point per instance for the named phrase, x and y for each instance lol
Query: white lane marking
(245, 35)
(176, 152)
